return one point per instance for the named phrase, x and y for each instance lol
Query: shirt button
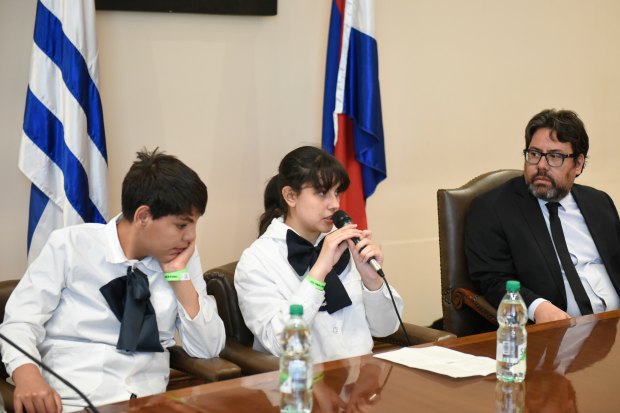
(335, 330)
(128, 382)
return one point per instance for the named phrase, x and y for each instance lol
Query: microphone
(340, 219)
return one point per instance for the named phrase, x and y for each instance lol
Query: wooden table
(572, 365)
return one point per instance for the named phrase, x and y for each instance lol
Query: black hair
(164, 184)
(567, 126)
(304, 165)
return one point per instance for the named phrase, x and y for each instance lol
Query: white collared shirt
(586, 259)
(58, 314)
(267, 285)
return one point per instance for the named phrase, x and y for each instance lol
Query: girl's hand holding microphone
(333, 247)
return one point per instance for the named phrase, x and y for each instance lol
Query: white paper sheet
(442, 361)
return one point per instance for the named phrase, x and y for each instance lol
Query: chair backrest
(221, 284)
(452, 208)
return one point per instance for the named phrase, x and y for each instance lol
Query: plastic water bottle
(296, 365)
(509, 397)
(511, 335)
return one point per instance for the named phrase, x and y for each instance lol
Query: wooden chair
(239, 339)
(465, 311)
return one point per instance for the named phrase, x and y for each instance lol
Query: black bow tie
(128, 298)
(303, 255)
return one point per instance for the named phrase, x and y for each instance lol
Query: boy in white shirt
(101, 303)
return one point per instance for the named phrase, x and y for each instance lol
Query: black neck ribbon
(303, 255)
(128, 298)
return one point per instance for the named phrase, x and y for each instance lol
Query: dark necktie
(581, 297)
(303, 255)
(128, 298)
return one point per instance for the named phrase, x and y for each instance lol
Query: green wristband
(316, 284)
(177, 275)
(318, 377)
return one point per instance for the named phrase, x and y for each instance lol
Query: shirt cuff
(18, 362)
(366, 290)
(532, 310)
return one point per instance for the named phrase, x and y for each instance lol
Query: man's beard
(553, 194)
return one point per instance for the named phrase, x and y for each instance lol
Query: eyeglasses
(553, 159)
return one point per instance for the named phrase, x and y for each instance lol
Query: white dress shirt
(267, 285)
(586, 259)
(58, 314)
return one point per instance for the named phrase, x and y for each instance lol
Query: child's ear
(289, 196)
(142, 215)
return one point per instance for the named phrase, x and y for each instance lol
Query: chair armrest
(251, 361)
(6, 390)
(480, 304)
(417, 335)
(208, 370)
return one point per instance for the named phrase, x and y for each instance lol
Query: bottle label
(285, 383)
(298, 377)
(505, 354)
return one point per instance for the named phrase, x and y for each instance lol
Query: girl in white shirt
(300, 259)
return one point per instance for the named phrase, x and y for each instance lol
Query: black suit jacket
(506, 238)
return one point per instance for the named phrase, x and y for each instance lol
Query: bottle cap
(511, 286)
(297, 309)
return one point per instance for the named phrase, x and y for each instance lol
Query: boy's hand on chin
(184, 290)
(180, 261)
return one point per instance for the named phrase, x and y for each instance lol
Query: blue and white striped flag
(63, 150)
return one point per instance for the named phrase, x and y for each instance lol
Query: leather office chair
(465, 312)
(205, 370)
(239, 339)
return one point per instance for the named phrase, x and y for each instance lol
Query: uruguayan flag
(63, 150)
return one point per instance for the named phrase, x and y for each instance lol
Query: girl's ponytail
(272, 205)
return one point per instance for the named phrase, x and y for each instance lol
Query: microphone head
(341, 218)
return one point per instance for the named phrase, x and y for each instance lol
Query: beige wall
(231, 95)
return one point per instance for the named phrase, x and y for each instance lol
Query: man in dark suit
(559, 239)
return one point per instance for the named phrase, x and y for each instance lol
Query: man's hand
(546, 312)
(32, 394)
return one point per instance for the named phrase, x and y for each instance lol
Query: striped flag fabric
(352, 118)
(63, 148)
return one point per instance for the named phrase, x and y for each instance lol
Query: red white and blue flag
(352, 119)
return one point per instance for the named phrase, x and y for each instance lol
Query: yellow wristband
(316, 284)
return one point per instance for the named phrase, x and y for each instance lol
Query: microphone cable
(340, 219)
(44, 367)
(382, 274)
